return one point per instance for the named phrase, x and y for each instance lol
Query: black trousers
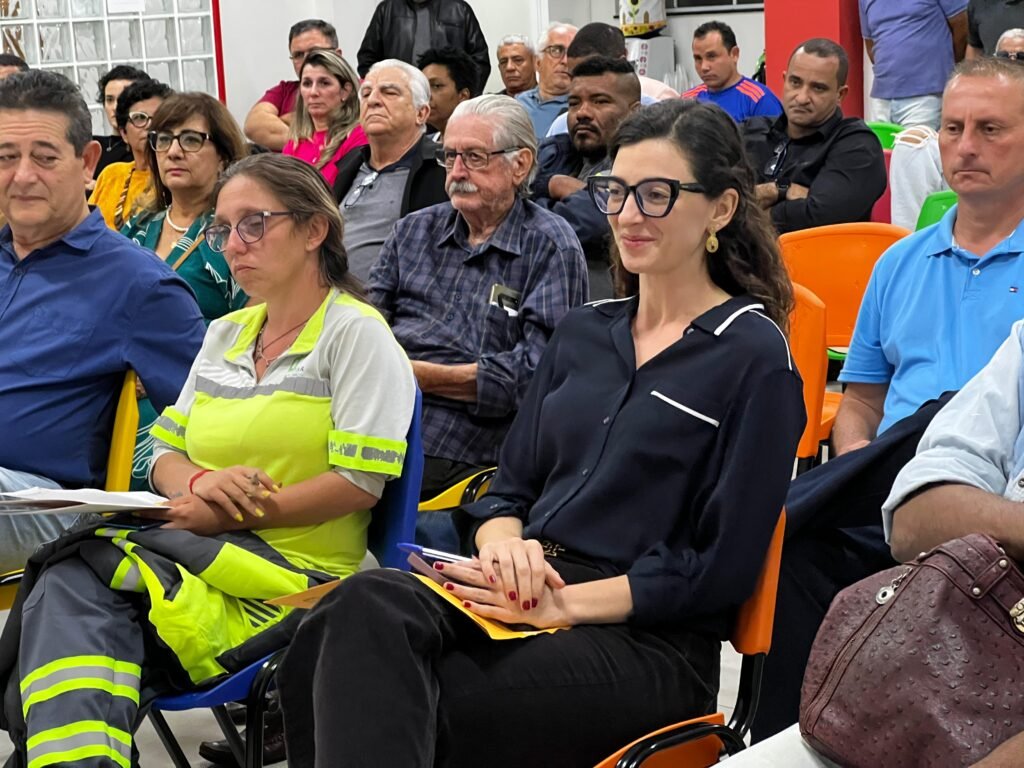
(441, 474)
(385, 673)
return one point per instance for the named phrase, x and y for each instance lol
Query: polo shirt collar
(940, 242)
(717, 320)
(534, 95)
(78, 241)
(507, 237)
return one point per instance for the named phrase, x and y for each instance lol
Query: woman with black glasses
(636, 495)
(192, 138)
(121, 187)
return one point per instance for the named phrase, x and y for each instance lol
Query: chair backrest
(122, 442)
(752, 633)
(935, 207)
(886, 133)
(881, 211)
(835, 262)
(807, 344)
(393, 519)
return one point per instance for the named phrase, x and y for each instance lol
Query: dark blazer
(423, 188)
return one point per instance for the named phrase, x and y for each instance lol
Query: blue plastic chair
(393, 521)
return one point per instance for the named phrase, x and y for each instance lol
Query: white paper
(87, 500)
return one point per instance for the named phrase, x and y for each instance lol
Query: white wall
(255, 36)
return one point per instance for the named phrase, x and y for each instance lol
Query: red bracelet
(196, 476)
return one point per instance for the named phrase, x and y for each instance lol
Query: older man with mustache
(473, 288)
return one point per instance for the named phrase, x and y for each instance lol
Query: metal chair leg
(255, 707)
(234, 738)
(156, 717)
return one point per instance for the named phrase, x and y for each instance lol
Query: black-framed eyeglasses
(188, 140)
(555, 51)
(474, 159)
(777, 160)
(1014, 55)
(140, 119)
(250, 229)
(654, 197)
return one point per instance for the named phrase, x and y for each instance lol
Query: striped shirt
(436, 291)
(748, 98)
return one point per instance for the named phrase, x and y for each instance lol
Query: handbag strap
(185, 255)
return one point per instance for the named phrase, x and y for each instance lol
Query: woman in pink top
(326, 123)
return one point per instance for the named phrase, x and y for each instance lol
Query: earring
(712, 243)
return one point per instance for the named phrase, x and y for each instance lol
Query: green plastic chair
(935, 207)
(886, 133)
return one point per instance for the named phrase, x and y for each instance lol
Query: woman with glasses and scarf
(326, 123)
(120, 188)
(293, 418)
(192, 139)
(636, 494)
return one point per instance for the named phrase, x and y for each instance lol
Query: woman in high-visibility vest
(292, 419)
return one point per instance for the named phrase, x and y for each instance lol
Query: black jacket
(392, 32)
(841, 163)
(423, 188)
(557, 156)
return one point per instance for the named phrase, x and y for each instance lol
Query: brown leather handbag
(922, 664)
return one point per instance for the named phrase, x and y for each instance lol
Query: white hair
(511, 126)
(516, 40)
(556, 27)
(1010, 34)
(418, 84)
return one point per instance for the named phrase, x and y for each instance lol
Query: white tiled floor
(191, 728)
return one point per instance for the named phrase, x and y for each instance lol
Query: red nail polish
(466, 604)
(438, 566)
(512, 596)
(526, 605)
(534, 602)
(449, 586)
(492, 580)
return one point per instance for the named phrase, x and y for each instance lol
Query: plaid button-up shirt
(435, 290)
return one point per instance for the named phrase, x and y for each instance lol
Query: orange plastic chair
(807, 344)
(697, 743)
(835, 263)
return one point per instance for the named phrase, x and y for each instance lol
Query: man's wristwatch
(783, 186)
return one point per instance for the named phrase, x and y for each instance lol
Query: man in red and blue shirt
(716, 59)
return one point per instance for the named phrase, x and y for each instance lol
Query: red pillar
(787, 23)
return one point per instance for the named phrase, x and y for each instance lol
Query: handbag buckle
(1017, 614)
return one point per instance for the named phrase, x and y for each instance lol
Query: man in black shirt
(813, 165)
(987, 20)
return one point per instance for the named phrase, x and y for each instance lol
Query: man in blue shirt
(913, 45)
(716, 59)
(551, 96)
(938, 305)
(79, 307)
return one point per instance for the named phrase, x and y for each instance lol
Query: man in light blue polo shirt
(938, 305)
(80, 305)
(551, 96)
(941, 301)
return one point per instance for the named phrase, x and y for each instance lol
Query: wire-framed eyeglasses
(250, 229)
(474, 159)
(654, 197)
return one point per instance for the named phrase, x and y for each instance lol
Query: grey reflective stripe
(132, 580)
(68, 743)
(77, 673)
(296, 385)
(171, 426)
